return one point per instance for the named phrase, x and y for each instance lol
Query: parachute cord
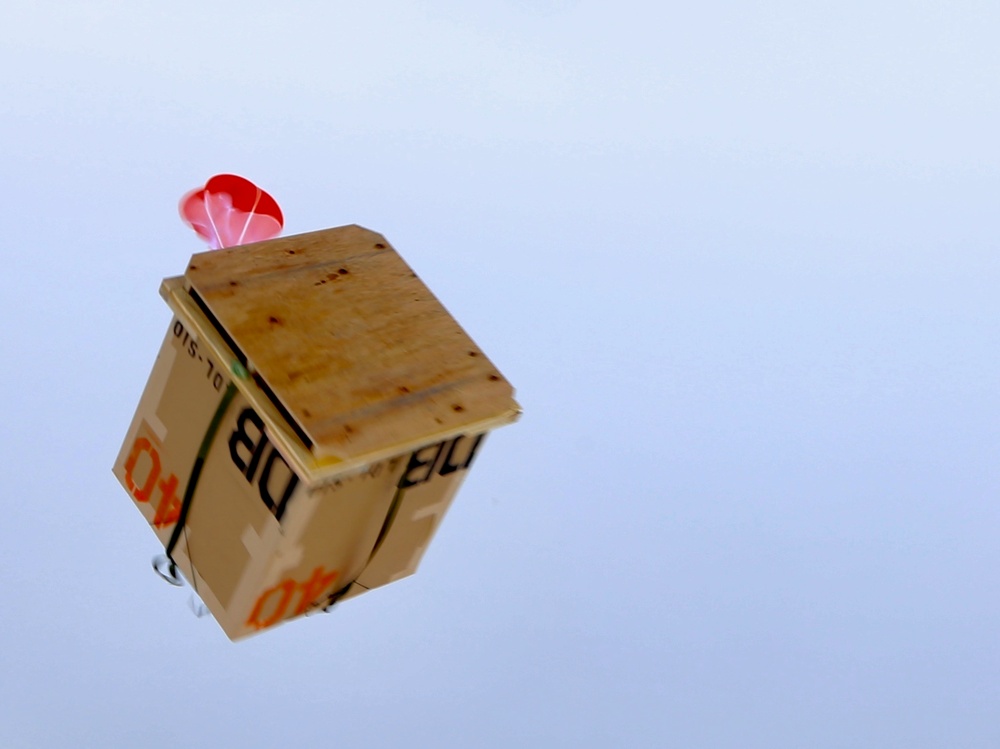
(197, 605)
(390, 517)
(170, 575)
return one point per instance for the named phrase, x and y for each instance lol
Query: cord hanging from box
(390, 516)
(170, 572)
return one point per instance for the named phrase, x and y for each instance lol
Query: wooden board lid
(355, 348)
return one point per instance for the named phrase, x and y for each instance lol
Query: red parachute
(230, 210)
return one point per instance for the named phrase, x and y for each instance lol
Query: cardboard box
(309, 419)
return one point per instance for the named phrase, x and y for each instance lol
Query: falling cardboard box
(308, 421)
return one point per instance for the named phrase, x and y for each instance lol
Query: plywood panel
(354, 346)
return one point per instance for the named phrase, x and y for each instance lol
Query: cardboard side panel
(232, 533)
(334, 528)
(428, 484)
(162, 442)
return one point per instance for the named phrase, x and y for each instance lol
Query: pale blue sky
(740, 261)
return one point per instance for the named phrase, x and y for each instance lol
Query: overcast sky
(739, 260)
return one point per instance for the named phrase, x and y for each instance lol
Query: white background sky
(740, 261)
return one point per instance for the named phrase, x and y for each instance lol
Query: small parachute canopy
(231, 210)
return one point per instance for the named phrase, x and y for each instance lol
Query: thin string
(390, 517)
(199, 462)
